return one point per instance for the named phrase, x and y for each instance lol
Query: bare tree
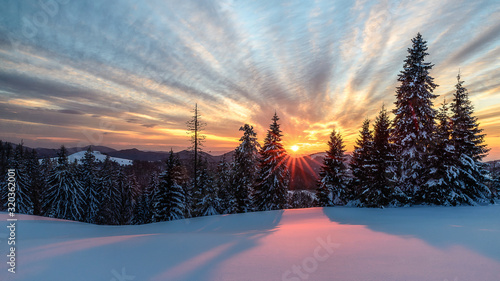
(195, 127)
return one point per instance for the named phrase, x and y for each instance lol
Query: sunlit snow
(338, 243)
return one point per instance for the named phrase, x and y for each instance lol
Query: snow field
(337, 243)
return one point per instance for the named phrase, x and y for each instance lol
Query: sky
(127, 74)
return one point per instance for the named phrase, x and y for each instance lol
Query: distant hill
(136, 154)
(78, 156)
(52, 152)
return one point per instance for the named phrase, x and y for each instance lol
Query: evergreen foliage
(414, 123)
(362, 163)
(333, 174)
(169, 202)
(273, 176)
(467, 141)
(206, 198)
(246, 160)
(89, 180)
(222, 182)
(64, 196)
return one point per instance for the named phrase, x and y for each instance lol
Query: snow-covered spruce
(88, 174)
(63, 197)
(206, 200)
(222, 182)
(414, 123)
(333, 174)
(468, 146)
(384, 182)
(245, 168)
(169, 200)
(362, 166)
(109, 212)
(23, 192)
(273, 175)
(443, 171)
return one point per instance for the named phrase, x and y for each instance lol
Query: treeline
(424, 156)
(256, 178)
(421, 156)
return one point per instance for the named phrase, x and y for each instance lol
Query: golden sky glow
(129, 75)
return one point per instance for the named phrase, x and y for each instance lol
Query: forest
(421, 155)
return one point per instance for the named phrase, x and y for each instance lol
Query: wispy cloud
(142, 66)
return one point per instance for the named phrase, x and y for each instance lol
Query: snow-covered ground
(338, 243)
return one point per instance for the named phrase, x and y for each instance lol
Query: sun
(294, 148)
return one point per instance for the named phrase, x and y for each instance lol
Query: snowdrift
(338, 243)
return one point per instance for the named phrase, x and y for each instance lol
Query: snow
(98, 155)
(337, 243)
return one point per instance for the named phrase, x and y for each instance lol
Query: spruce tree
(125, 206)
(468, 146)
(6, 154)
(24, 203)
(169, 200)
(37, 181)
(246, 160)
(110, 193)
(362, 162)
(206, 197)
(271, 190)
(63, 197)
(466, 136)
(414, 123)
(333, 174)
(223, 176)
(383, 191)
(441, 187)
(89, 180)
(143, 209)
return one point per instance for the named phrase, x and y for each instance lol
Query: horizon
(132, 74)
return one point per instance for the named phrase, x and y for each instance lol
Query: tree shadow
(202, 256)
(474, 227)
(188, 249)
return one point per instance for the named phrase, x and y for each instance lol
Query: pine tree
(6, 154)
(170, 197)
(109, 209)
(89, 180)
(333, 180)
(206, 196)
(149, 193)
(468, 146)
(37, 181)
(246, 160)
(125, 197)
(362, 162)
(383, 191)
(302, 199)
(24, 204)
(223, 176)
(466, 136)
(440, 189)
(63, 197)
(414, 123)
(143, 209)
(271, 190)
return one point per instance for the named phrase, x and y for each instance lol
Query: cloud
(143, 66)
(70, 111)
(477, 44)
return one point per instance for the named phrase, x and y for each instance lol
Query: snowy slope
(99, 157)
(339, 243)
